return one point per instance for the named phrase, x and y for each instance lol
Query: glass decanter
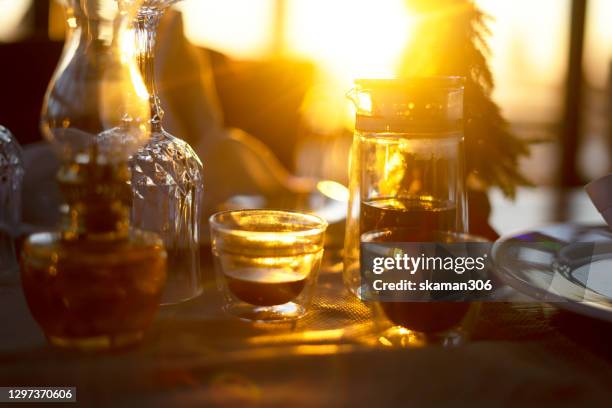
(167, 177)
(407, 187)
(11, 177)
(95, 284)
(406, 167)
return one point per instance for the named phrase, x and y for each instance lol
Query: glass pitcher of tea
(407, 160)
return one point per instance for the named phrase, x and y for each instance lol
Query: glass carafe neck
(146, 25)
(97, 199)
(99, 21)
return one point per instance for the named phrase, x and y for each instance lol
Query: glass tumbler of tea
(267, 262)
(407, 159)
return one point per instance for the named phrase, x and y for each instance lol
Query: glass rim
(315, 224)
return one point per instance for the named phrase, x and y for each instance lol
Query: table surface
(526, 354)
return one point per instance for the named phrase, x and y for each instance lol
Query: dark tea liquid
(78, 292)
(265, 287)
(422, 216)
(426, 317)
(414, 220)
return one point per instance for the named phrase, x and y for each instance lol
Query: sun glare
(346, 38)
(349, 38)
(241, 28)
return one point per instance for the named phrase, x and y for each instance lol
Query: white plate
(567, 265)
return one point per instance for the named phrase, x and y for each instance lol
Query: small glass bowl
(267, 262)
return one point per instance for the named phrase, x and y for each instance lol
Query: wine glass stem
(146, 35)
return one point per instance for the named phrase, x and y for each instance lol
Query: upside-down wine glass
(166, 176)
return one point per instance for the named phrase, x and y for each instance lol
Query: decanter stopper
(11, 176)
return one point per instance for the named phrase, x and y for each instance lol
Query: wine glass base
(400, 337)
(98, 343)
(267, 314)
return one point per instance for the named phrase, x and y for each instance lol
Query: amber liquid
(265, 287)
(92, 295)
(414, 220)
(422, 217)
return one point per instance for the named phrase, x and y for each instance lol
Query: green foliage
(451, 39)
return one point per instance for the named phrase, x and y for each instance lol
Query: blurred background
(282, 68)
